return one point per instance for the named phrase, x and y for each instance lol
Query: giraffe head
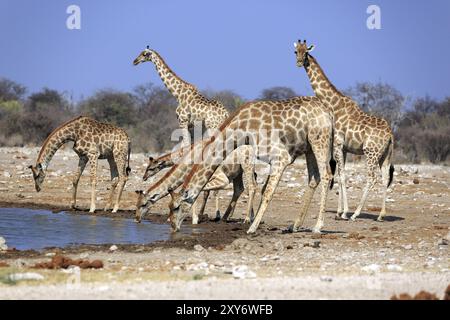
(38, 175)
(143, 205)
(154, 166)
(302, 53)
(144, 56)
(179, 209)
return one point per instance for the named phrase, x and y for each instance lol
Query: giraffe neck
(53, 142)
(174, 83)
(171, 180)
(322, 86)
(177, 154)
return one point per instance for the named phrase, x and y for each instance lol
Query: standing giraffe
(93, 140)
(354, 131)
(237, 168)
(192, 105)
(281, 131)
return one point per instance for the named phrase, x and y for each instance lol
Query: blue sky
(244, 46)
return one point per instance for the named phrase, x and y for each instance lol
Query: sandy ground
(351, 260)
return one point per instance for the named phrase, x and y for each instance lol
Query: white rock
(198, 247)
(371, 268)
(197, 267)
(84, 255)
(243, 272)
(394, 267)
(2, 240)
(407, 247)
(113, 248)
(25, 276)
(7, 174)
(293, 185)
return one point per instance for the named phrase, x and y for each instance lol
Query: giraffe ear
(295, 44)
(311, 48)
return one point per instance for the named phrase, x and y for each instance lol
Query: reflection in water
(37, 229)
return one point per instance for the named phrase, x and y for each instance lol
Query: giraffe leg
(248, 168)
(93, 159)
(186, 136)
(114, 181)
(339, 156)
(194, 216)
(313, 181)
(385, 181)
(238, 188)
(216, 198)
(386, 177)
(277, 169)
(324, 179)
(205, 200)
(81, 165)
(120, 160)
(372, 159)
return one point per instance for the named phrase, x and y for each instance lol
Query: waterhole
(37, 229)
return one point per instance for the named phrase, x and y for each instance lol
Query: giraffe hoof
(380, 219)
(353, 218)
(316, 231)
(250, 231)
(344, 216)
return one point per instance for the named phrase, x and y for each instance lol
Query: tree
(43, 112)
(228, 98)
(277, 93)
(110, 106)
(10, 90)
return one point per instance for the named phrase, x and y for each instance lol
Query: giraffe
(355, 132)
(280, 131)
(93, 140)
(237, 168)
(219, 181)
(192, 105)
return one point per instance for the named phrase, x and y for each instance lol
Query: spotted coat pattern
(93, 140)
(354, 131)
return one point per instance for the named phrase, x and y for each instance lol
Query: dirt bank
(406, 253)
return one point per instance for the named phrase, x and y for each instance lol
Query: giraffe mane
(47, 140)
(171, 71)
(324, 74)
(168, 155)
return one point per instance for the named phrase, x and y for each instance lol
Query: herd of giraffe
(324, 128)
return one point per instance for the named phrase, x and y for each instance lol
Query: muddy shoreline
(362, 259)
(212, 234)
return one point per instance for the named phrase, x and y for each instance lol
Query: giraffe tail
(391, 175)
(128, 169)
(333, 171)
(391, 167)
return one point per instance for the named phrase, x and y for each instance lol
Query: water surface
(36, 229)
